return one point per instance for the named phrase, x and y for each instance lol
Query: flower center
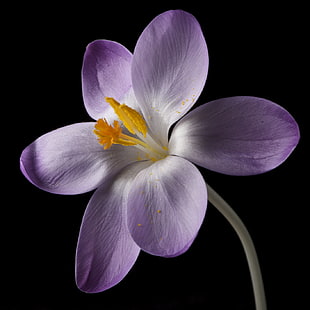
(134, 122)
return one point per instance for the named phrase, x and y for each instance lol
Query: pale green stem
(247, 243)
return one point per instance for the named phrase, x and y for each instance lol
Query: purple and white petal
(166, 206)
(69, 160)
(106, 251)
(236, 136)
(106, 72)
(169, 68)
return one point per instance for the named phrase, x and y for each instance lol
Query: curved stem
(247, 243)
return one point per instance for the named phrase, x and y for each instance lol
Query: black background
(255, 49)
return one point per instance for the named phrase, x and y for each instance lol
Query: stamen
(131, 119)
(108, 135)
(134, 122)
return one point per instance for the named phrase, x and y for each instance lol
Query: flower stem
(247, 243)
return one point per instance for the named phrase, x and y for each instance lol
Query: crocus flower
(149, 194)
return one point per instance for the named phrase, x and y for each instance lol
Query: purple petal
(106, 73)
(236, 136)
(106, 250)
(166, 206)
(183, 250)
(70, 160)
(169, 68)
